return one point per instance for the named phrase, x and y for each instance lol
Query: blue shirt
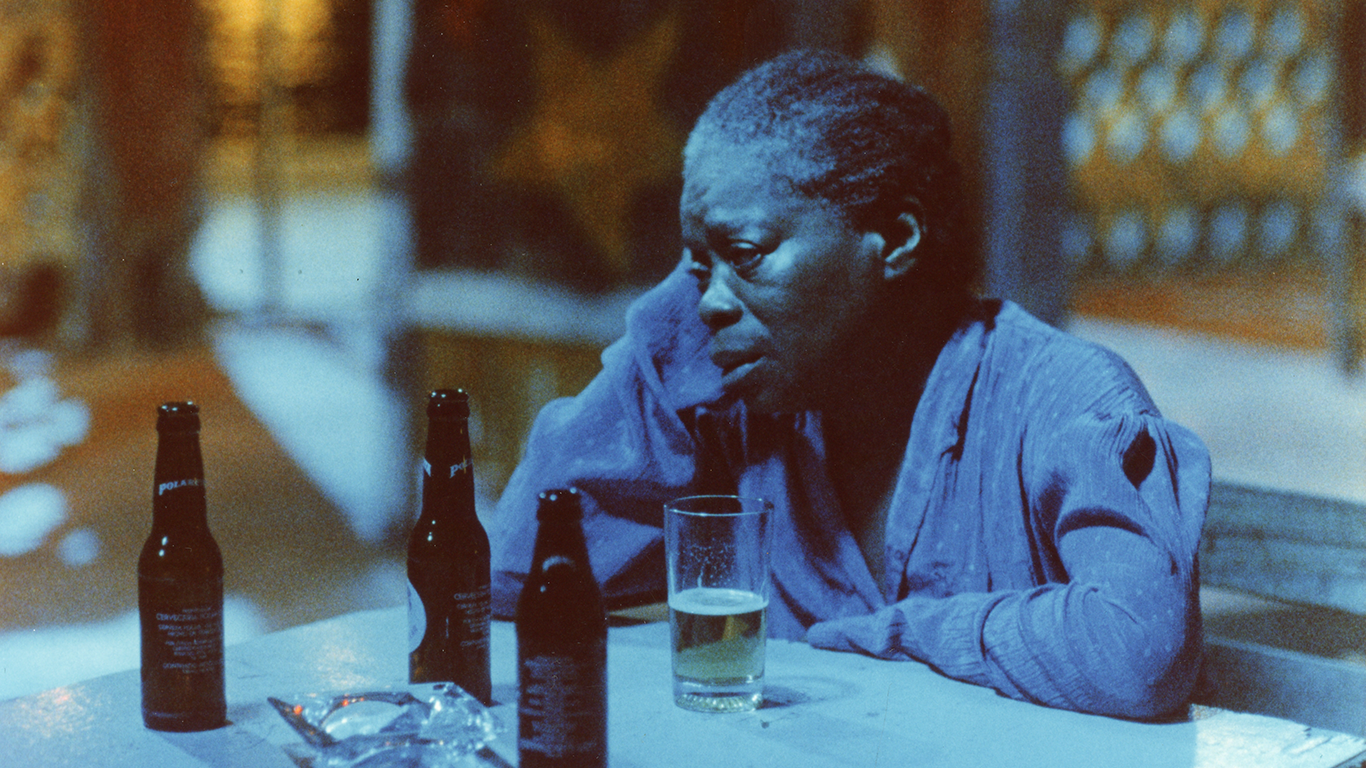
(1041, 539)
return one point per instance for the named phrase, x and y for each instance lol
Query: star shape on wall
(596, 133)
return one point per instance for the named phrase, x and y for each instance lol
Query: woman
(961, 483)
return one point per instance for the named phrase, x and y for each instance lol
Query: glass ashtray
(433, 725)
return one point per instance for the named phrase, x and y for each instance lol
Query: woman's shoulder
(1014, 331)
(1047, 361)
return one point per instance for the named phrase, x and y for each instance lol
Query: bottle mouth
(559, 504)
(180, 416)
(448, 404)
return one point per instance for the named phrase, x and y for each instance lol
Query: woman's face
(786, 286)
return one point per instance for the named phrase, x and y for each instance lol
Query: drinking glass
(717, 554)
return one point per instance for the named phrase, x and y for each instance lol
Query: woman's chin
(769, 401)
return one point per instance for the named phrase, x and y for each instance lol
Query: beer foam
(715, 601)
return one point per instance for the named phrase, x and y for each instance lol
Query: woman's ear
(904, 230)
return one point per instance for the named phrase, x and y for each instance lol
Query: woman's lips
(735, 367)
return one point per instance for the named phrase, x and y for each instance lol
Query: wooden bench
(1285, 606)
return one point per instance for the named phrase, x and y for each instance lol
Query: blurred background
(304, 214)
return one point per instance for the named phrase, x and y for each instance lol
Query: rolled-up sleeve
(1123, 499)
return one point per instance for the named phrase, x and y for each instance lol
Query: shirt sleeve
(623, 442)
(1121, 501)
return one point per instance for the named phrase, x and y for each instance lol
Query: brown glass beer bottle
(180, 587)
(561, 646)
(448, 559)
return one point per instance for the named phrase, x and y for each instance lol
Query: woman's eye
(741, 255)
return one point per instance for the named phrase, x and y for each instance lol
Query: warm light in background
(301, 44)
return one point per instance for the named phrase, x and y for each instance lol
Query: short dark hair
(863, 142)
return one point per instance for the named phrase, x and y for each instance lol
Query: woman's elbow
(1155, 680)
(1140, 660)
(1157, 696)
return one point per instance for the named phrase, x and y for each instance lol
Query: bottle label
(182, 654)
(417, 618)
(192, 639)
(472, 611)
(465, 466)
(172, 485)
(562, 706)
(474, 608)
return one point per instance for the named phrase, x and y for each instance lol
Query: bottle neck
(448, 470)
(562, 585)
(178, 482)
(560, 540)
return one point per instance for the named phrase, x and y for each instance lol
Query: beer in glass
(717, 550)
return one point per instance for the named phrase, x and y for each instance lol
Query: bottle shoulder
(436, 540)
(171, 551)
(447, 505)
(561, 601)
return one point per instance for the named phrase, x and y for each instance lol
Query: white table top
(822, 709)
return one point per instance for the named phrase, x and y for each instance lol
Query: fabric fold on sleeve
(622, 443)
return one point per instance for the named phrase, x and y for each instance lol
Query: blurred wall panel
(1348, 325)
(314, 53)
(39, 163)
(148, 114)
(1025, 186)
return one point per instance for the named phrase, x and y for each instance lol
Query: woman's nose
(718, 307)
